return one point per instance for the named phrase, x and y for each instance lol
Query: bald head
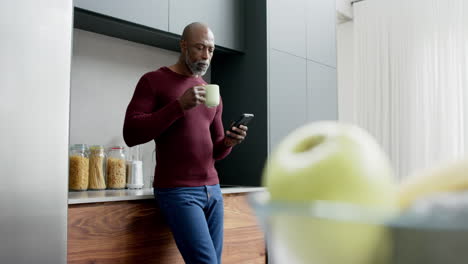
(195, 30)
(196, 46)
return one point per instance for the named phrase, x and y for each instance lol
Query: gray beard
(197, 68)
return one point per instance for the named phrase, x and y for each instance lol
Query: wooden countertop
(137, 194)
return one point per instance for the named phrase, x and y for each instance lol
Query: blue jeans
(195, 216)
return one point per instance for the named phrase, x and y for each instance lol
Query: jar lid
(96, 147)
(79, 146)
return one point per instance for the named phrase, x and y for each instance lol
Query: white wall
(105, 71)
(345, 67)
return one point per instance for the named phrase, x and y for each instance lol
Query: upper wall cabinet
(151, 13)
(321, 37)
(224, 17)
(287, 26)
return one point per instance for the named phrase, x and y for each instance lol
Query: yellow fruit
(451, 176)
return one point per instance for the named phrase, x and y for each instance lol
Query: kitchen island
(126, 226)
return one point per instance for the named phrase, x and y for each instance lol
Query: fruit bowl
(326, 232)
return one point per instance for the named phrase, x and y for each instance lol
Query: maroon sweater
(187, 142)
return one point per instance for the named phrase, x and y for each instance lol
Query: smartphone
(244, 119)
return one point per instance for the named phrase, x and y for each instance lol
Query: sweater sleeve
(141, 123)
(220, 150)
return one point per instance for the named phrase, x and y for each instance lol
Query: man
(167, 107)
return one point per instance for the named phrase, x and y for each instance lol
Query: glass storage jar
(97, 168)
(78, 173)
(116, 176)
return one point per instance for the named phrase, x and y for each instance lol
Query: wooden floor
(134, 232)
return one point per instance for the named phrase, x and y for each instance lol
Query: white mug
(212, 95)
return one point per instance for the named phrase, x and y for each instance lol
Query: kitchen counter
(137, 194)
(126, 226)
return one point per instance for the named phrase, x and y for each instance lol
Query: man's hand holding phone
(238, 130)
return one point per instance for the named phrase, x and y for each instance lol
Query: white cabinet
(151, 13)
(304, 28)
(321, 36)
(224, 17)
(322, 96)
(287, 26)
(302, 65)
(287, 95)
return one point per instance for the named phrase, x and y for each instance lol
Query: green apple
(331, 161)
(338, 163)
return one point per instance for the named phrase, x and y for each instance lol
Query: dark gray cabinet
(150, 13)
(224, 17)
(244, 87)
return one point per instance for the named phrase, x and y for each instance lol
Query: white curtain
(411, 78)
